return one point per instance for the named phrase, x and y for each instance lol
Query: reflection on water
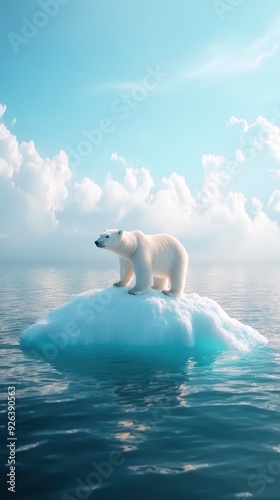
(184, 425)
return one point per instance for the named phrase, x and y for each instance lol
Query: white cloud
(44, 181)
(274, 201)
(47, 214)
(40, 184)
(227, 59)
(124, 196)
(226, 65)
(118, 159)
(3, 108)
(87, 194)
(261, 134)
(117, 86)
(10, 154)
(238, 121)
(257, 205)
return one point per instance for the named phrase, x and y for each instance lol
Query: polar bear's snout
(99, 244)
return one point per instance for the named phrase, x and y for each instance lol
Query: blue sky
(66, 77)
(220, 59)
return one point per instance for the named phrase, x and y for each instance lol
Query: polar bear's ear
(120, 232)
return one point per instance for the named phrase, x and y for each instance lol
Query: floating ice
(112, 317)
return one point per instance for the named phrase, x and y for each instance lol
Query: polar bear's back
(165, 249)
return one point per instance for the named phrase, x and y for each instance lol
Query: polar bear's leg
(159, 284)
(143, 274)
(177, 281)
(126, 273)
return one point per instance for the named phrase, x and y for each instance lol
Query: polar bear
(155, 259)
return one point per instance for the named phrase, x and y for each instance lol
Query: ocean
(139, 425)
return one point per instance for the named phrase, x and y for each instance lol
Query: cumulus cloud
(261, 134)
(10, 154)
(257, 205)
(87, 194)
(33, 190)
(45, 213)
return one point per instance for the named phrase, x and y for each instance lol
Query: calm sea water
(142, 426)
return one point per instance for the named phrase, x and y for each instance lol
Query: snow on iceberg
(112, 317)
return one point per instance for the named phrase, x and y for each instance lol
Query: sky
(158, 116)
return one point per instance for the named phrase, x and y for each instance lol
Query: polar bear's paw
(119, 283)
(169, 293)
(134, 291)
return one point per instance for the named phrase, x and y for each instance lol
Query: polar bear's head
(110, 239)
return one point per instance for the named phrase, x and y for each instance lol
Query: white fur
(155, 260)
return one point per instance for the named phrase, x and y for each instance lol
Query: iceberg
(112, 317)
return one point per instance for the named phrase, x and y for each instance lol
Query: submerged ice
(112, 317)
